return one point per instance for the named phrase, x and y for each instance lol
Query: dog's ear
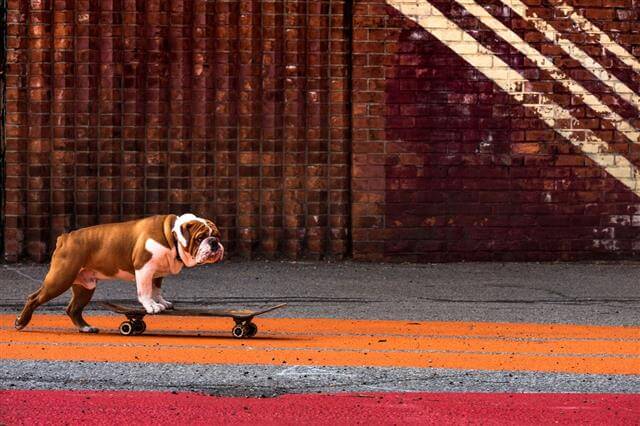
(186, 235)
(181, 229)
(214, 229)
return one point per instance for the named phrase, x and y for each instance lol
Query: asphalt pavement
(573, 293)
(590, 294)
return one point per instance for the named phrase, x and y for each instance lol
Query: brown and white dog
(144, 251)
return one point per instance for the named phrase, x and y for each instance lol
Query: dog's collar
(178, 258)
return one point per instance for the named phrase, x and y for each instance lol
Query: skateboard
(243, 328)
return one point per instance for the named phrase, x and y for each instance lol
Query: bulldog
(144, 251)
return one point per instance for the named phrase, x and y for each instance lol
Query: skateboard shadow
(211, 335)
(159, 334)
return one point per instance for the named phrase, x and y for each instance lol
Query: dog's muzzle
(211, 251)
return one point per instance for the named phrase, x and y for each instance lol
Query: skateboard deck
(244, 327)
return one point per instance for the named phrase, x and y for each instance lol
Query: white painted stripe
(575, 52)
(623, 126)
(603, 38)
(509, 80)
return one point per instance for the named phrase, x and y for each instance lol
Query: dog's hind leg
(25, 316)
(60, 277)
(81, 296)
(40, 297)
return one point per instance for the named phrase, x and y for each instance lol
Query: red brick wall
(329, 128)
(448, 165)
(236, 110)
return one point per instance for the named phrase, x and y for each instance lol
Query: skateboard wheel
(126, 328)
(138, 326)
(252, 329)
(238, 331)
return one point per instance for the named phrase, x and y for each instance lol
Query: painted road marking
(520, 88)
(299, 370)
(120, 407)
(331, 342)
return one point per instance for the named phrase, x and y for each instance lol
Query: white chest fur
(163, 259)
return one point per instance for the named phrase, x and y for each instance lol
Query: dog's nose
(214, 245)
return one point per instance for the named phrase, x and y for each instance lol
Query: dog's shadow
(170, 334)
(209, 335)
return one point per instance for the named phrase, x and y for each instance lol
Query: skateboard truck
(133, 326)
(244, 328)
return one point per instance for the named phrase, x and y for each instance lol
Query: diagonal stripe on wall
(509, 80)
(575, 52)
(605, 41)
(623, 126)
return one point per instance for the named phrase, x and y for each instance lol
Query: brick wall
(235, 110)
(496, 131)
(398, 130)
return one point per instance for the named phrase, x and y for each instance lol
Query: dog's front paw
(165, 303)
(152, 307)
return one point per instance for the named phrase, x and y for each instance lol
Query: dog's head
(198, 240)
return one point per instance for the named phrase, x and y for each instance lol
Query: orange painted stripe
(349, 326)
(277, 356)
(533, 347)
(375, 342)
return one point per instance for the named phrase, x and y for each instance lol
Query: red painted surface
(119, 407)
